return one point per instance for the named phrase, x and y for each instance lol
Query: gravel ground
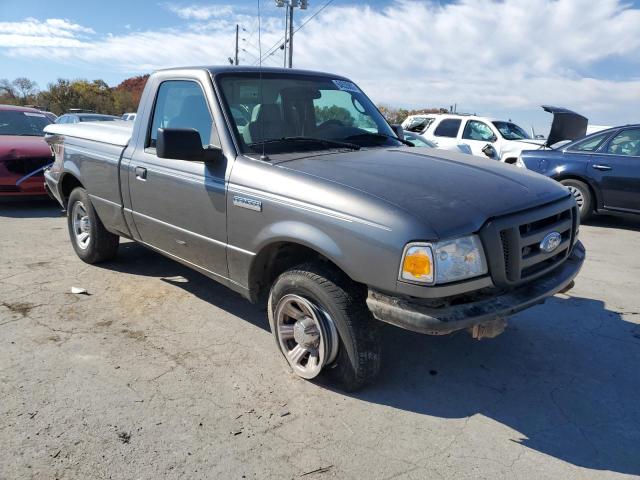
(161, 373)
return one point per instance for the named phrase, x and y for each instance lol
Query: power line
(271, 50)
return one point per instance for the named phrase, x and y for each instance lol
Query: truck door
(478, 135)
(179, 206)
(617, 170)
(446, 132)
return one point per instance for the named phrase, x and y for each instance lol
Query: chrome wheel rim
(577, 194)
(81, 225)
(306, 334)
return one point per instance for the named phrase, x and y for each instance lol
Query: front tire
(582, 195)
(91, 241)
(322, 326)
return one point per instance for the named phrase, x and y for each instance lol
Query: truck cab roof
(224, 69)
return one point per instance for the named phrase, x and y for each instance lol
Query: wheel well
(594, 194)
(69, 182)
(273, 260)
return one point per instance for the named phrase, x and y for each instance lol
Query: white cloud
(53, 27)
(54, 32)
(485, 55)
(199, 12)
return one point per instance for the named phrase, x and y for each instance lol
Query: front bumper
(14, 184)
(424, 317)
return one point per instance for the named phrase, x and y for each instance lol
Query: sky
(499, 58)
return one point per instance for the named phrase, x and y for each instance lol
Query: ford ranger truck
(290, 188)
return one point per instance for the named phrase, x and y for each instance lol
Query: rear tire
(340, 305)
(91, 241)
(582, 195)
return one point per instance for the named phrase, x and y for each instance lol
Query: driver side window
(475, 130)
(181, 104)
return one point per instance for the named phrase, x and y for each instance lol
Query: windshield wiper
(379, 135)
(323, 141)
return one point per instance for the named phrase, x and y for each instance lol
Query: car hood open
(454, 194)
(566, 125)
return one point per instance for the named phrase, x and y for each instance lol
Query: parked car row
(497, 139)
(85, 117)
(602, 170)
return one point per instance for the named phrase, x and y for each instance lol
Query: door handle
(141, 173)
(603, 168)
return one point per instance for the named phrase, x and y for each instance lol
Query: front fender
(306, 235)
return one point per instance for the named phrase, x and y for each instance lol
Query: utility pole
(237, 33)
(288, 29)
(291, 5)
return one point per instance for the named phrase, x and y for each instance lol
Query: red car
(23, 152)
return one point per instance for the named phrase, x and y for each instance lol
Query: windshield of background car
(284, 113)
(511, 131)
(418, 124)
(96, 118)
(14, 122)
(419, 141)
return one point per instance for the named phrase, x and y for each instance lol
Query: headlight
(520, 162)
(443, 262)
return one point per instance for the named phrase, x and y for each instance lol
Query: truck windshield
(16, 122)
(511, 131)
(286, 113)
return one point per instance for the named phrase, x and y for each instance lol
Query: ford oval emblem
(550, 242)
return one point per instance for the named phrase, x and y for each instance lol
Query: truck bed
(115, 133)
(94, 151)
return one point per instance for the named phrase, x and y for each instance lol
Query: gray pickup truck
(291, 188)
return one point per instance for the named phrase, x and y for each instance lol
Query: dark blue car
(602, 170)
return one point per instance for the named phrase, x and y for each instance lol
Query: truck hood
(454, 194)
(19, 146)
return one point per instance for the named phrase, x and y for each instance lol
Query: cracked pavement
(160, 372)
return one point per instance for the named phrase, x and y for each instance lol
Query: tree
(397, 115)
(25, 88)
(130, 91)
(64, 94)
(59, 97)
(334, 112)
(7, 90)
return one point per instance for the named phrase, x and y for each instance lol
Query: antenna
(263, 156)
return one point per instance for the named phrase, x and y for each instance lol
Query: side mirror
(494, 138)
(489, 151)
(397, 129)
(184, 144)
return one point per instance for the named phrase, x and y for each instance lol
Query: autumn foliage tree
(397, 115)
(62, 95)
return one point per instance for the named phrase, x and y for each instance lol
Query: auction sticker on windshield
(346, 86)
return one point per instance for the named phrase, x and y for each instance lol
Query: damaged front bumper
(424, 316)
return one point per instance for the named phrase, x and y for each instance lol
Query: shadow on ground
(31, 208)
(135, 259)
(564, 375)
(622, 221)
